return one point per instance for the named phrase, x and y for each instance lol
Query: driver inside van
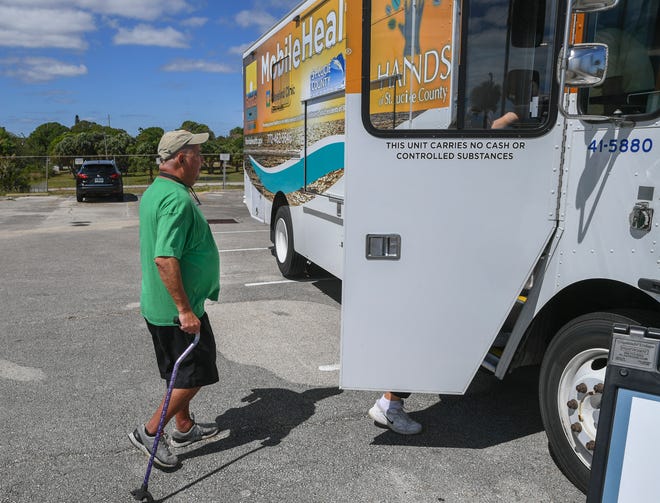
(629, 71)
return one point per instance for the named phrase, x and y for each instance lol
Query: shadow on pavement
(269, 416)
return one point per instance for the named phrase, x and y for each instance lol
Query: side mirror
(593, 5)
(586, 65)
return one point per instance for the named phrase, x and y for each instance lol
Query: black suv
(99, 178)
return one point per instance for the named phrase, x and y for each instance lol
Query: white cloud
(44, 27)
(191, 65)
(38, 69)
(62, 24)
(239, 49)
(259, 18)
(144, 34)
(195, 22)
(147, 10)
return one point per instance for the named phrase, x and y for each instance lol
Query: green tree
(40, 140)
(233, 145)
(9, 143)
(116, 145)
(90, 140)
(82, 126)
(236, 142)
(65, 150)
(88, 144)
(196, 127)
(145, 150)
(13, 176)
(208, 149)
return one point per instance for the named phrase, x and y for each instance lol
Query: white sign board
(631, 470)
(79, 161)
(225, 157)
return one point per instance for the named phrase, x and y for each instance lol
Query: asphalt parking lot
(77, 374)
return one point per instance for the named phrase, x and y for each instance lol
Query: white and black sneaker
(396, 419)
(145, 442)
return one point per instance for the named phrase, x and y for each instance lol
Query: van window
(425, 77)
(631, 85)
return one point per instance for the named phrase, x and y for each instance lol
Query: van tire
(577, 354)
(290, 262)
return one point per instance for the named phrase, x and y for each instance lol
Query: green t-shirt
(171, 225)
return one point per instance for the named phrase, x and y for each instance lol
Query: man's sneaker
(144, 442)
(395, 419)
(195, 434)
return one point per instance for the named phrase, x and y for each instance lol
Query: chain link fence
(41, 174)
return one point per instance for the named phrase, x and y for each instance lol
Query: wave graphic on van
(324, 157)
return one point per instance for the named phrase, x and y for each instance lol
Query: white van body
(479, 212)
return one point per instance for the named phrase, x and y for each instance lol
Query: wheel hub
(580, 393)
(281, 241)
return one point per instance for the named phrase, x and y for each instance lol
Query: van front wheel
(573, 366)
(290, 262)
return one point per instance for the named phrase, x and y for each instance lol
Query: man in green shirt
(180, 270)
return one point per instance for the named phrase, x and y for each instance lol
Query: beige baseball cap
(173, 141)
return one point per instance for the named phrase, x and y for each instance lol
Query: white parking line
(271, 282)
(309, 280)
(330, 368)
(242, 250)
(12, 371)
(240, 232)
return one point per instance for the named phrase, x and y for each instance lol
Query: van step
(495, 352)
(492, 359)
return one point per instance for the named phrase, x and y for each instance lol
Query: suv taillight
(82, 176)
(115, 176)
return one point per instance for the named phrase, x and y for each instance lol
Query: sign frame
(631, 392)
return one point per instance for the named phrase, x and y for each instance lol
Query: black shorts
(198, 368)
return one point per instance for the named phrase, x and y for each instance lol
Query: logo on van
(406, 28)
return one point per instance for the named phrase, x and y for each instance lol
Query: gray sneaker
(195, 434)
(144, 442)
(396, 419)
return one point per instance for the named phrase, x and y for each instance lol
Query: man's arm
(505, 121)
(170, 274)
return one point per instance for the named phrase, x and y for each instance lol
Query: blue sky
(130, 63)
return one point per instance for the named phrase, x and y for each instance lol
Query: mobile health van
(480, 174)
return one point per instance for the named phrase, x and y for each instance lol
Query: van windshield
(631, 85)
